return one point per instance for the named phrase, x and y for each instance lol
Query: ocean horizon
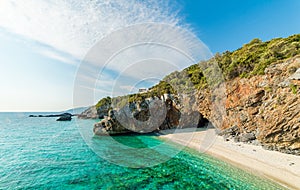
(41, 153)
(149, 94)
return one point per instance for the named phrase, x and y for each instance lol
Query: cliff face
(147, 116)
(259, 101)
(97, 111)
(264, 107)
(90, 113)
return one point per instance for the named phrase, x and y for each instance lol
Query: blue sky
(42, 43)
(226, 25)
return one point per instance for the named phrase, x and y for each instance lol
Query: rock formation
(65, 118)
(90, 113)
(62, 117)
(53, 115)
(146, 117)
(258, 102)
(265, 108)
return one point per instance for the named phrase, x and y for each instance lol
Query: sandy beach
(279, 167)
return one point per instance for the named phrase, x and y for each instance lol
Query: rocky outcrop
(265, 108)
(140, 117)
(90, 113)
(104, 109)
(65, 118)
(145, 117)
(109, 126)
(262, 109)
(61, 117)
(97, 112)
(53, 115)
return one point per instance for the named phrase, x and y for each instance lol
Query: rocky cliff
(259, 102)
(264, 109)
(90, 113)
(147, 116)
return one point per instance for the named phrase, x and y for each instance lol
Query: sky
(44, 44)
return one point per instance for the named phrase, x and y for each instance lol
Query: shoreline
(281, 168)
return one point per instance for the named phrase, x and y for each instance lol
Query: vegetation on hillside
(104, 102)
(250, 60)
(254, 57)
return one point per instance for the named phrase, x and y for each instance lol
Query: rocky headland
(260, 99)
(61, 117)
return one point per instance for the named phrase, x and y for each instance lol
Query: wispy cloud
(59, 56)
(66, 30)
(139, 53)
(73, 26)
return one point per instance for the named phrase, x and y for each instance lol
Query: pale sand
(279, 167)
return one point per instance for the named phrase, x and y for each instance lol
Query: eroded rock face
(141, 117)
(147, 117)
(103, 110)
(90, 113)
(96, 113)
(109, 126)
(263, 109)
(266, 107)
(172, 115)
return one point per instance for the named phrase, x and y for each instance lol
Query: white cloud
(139, 53)
(69, 28)
(73, 26)
(57, 56)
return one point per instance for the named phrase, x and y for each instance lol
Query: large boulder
(65, 117)
(147, 116)
(139, 117)
(109, 126)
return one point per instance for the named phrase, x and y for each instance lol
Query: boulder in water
(65, 118)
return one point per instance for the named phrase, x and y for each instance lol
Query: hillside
(260, 97)
(250, 60)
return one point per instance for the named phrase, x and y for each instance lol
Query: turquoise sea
(41, 153)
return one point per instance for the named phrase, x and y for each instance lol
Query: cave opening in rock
(203, 122)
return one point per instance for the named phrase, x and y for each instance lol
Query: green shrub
(250, 60)
(294, 88)
(104, 102)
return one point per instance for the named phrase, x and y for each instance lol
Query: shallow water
(41, 153)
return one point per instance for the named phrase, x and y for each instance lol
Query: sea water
(41, 153)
